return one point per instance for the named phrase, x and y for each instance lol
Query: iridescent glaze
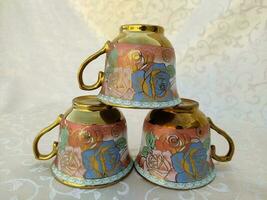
(175, 150)
(92, 151)
(92, 147)
(141, 74)
(139, 70)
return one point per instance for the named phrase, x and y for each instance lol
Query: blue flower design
(191, 165)
(137, 83)
(160, 79)
(102, 161)
(152, 84)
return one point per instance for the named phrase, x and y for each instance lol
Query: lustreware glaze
(92, 147)
(139, 70)
(175, 150)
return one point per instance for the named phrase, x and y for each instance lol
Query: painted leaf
(109, 70)
(145, 151)
(63, 138)
(171, 70)
(113, 62)
(113, 58)
(206, 143)
(150, 140)
(121, 143)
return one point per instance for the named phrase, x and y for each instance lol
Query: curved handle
(37, 154)
(231, 150)
(100, 74)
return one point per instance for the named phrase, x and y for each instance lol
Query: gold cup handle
(37, 154)
(100, 74)
(231, 149)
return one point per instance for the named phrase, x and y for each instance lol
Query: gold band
(141, 28)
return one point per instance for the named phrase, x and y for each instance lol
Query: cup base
(173, 185)
(90, 183)
(137, 104)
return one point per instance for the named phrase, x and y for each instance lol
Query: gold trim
(184, 115)
(89, 103)
(231, 149)
(142, 28)
(186, 105)
(36, 151)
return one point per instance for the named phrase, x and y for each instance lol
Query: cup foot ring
(90, 184)
(173, 185)
(137, 104)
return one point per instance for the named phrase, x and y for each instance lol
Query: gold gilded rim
(142, 28)
(186, 104)
(89, 103)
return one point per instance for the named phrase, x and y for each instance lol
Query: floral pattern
(92, 151)
(69, 162)
(237, 91)
(175, 155)
(63, 139)
(140, 73)
(191, 164)
(102, 161)
(158, 164)
(152, 84)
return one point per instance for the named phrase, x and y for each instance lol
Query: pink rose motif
(159, 164)
(118, 83)
(70, 162)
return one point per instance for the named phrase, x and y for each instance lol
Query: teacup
(175, 151)
(139, 69)
(92, 148)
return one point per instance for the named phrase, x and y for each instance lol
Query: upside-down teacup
(175, 151)
(139, 70)
(92, 147)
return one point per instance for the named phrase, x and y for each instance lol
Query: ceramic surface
(140, 75)
(91, 155)
(175, 158)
